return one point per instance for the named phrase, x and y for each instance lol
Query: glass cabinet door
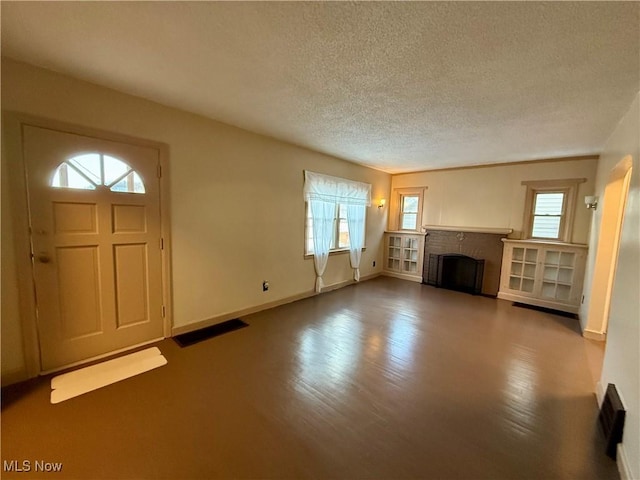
(522, 275)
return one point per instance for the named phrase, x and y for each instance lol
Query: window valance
(335, 189)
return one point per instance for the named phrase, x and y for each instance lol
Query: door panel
(79, 291)
(129, 219)
(74, 218)
(94, 210)
(132, 284)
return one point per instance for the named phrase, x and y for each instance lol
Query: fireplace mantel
(450, 228)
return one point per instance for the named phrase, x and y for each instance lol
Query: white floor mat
(91, 378)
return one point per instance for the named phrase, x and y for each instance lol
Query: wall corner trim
(593, 335)
(623, 463)
(600, 392)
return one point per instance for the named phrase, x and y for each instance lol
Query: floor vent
(206, 333)
(611, 419)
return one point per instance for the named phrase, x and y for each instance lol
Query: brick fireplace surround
(477, 244)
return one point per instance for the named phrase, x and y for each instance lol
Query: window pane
(410, 204)
(89, 165)
(132, 183)
(409, 221)
(114, 169)
(343, 234)
(343, 227)
(342, 211)
(546, 227)
(92, 169)
(68, 177)
(549, 203)
(309, 233)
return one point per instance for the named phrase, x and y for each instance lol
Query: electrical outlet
(265, 286)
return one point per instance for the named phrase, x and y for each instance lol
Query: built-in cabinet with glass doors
(545, 274)
(403, 255)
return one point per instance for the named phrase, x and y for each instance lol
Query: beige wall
(493, 196)
(12, 351)
(236, 199)
(622, 356)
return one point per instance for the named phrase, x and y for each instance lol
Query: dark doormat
(546, 310)
(196, 336)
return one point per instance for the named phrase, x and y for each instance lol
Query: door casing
(13, 123)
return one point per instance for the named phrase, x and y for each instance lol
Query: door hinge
(164, 311)
(159, 171)
(161, 243)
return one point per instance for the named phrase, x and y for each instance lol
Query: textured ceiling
(398, 86)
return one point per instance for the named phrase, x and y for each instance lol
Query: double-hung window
(548, 214)
(409, 211)
(549, 208)
(406, 209)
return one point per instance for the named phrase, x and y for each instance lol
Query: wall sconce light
(591, 201)
(382, 203)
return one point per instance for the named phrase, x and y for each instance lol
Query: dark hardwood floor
(384, 379)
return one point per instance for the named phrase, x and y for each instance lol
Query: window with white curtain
(341, 192)
(340, 240)
(336, 213)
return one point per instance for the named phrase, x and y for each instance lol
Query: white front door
(94, 209)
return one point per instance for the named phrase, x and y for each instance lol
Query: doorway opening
(613, 207)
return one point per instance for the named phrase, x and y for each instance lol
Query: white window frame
(397, 201)
(568, 187)
(403, 197)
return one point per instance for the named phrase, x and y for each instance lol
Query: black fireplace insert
(455, 272)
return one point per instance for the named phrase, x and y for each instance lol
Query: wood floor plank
(384, 379)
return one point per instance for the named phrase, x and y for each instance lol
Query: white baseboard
(600, 392)
(190, 327)
(593, 335)
(403, 276)
(623, 463)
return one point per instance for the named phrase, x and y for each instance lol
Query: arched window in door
(90, 170)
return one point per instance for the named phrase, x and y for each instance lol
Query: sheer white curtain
(324, 193)
(323, 214)
(355, 222)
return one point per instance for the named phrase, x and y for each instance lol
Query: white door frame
(612, 205)
(13, 138)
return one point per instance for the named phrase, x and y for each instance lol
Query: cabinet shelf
(552, 282)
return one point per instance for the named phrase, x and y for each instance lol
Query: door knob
(43, 258)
